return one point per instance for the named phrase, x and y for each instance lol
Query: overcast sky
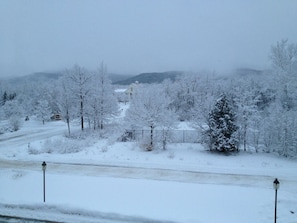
(135, 36)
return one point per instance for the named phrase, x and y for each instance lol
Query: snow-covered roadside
(162, 200)
(61, 214)
(235, 188)
(186, 157)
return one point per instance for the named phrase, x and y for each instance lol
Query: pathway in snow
(146, 173)
(28, 135)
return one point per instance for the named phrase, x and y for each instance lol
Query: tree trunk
(81, 114)
(152, 136)
(68, 125)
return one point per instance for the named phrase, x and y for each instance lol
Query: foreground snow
(183, 184)
(162, 200)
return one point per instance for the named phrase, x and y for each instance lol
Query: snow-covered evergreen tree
(222, 127)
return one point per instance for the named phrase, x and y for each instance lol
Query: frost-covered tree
(149, 109)
(222, 129)
(28, 95)
(245, 93)
(43, 110)
(279, 131)
(191, 95)
(102, 101)
(280, 126)
(284, 57)
(3, 99)
(52, 94)
(79, 83)
(185, 91)
(284, 62)
(66, 102)
(7, 97)
(13, 112)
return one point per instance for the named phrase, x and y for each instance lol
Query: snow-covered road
(33, 133)
(186, 176)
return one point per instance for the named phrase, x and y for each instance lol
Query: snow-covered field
(111, 181)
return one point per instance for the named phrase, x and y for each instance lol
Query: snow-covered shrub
(103, 149)
(149, 112)
(62, 146)
(171, 155)
(15, 123)
(33, 151)
(50, 145)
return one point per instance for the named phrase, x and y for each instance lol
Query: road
(20, 137)
(141, 173)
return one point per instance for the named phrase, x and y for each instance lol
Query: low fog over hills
(122, 79)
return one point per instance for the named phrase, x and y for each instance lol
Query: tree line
(251, 112)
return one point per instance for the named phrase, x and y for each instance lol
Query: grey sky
(134, 36)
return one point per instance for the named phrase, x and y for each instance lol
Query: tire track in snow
(93, 170)
(18, 140)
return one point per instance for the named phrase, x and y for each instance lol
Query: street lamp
(43, 168)
(276, 187)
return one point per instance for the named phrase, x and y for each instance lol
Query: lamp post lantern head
(43, 166)
(276, 184)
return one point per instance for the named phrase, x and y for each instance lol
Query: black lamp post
(43, 168)
(276, 187)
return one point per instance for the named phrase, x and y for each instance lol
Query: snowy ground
(110, 181)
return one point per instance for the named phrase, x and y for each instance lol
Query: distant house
(131, 89)
(124, 95)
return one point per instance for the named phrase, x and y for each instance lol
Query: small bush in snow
(15, 123)
(33, 151)
(62, 146)
(66, 145)
(103, 149)
(171, 155)
(146, 146)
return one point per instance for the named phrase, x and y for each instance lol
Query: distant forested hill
(117, 79)
(150, 78)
